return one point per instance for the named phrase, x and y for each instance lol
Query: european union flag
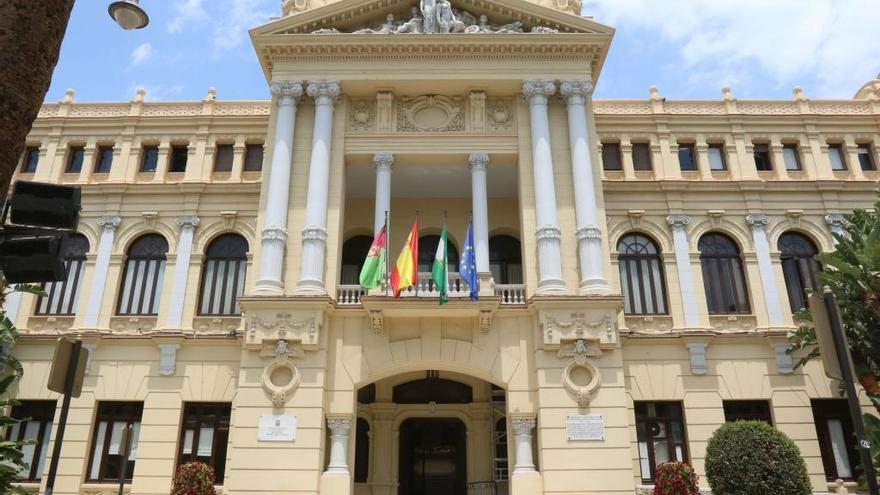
(468, 266)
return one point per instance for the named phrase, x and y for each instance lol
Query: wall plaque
(277, 428)
(583, 427)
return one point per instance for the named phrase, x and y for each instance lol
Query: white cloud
(186, 12)
(241, 15)
(834, 42)
(142, 53)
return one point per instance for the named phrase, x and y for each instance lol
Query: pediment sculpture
(439, 17)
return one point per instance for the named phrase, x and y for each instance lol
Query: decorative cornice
(478, 161)
(383, 160)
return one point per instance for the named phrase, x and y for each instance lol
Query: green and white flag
(440, 271)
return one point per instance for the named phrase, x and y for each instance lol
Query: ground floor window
(747, 410)
(36, 427)
(107, 457)
(204, 436)
(837, 441)
(660, 432)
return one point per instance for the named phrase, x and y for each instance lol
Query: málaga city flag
(440, 271)
(374, 265)
(404, 273)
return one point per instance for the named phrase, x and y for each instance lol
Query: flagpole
(416, 281)
(387, 245)
(446, 252)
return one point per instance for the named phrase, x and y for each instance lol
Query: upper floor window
(223, 158)
(354, 252)
(179, 155)
(837, 441)
(505, 259)
(428, 252)
(37, 428)
(641, 275)
(686, 158)
(641, 155)
(791, 156)
(660, 435)
(204, 436)
(253, 158)
(31, 160)
(142, 276)
(866, 161)
(104, 161)
(747, 410)
(74, 159)
(762, 157)
(716, 157)
(836, 156)
(611, 156)
(62, 296)
(150, 159)
(723, 277)
(107, 456)
(799, 266)
(223, 275)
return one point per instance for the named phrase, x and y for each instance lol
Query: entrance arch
(432, 457)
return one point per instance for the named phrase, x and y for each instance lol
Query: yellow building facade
(638, 263)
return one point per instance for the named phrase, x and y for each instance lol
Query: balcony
(510, 294)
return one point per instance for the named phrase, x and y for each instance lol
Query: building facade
(639, 263)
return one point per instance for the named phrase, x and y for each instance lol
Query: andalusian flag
(440, 271)
(374, 265)
(404, 273)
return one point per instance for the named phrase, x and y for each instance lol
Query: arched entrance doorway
(433, 457)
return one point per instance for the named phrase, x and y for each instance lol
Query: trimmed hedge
(752, 457)
(675, 478)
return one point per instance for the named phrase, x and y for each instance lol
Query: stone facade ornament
(697, 352)
(581, 376)
(281, 377)
(168, 358)
(430, 113)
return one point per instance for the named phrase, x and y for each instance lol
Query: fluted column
(95, 299)
(679, 224)
(314, 234)
(383, 162)
(274, 235)
(758, 222)
(589, 234)
(339, 432)
(522, 434)
(480, 205)
(188, 224)
(536, 94)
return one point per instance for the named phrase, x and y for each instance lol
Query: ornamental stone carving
(324, 88)
(360, 116)
(109, 223)
(430, 113)
(281, 377)
(499, 115)
(589, 232)
(187, 222)
(575, 91)
(478, 161)
(274, 233)
(339, 426)
(522, 426)
(757, 220)
(678, 221)
(548, 232)
(561, 327)
(383, 160)
(288, 89)
(299, 329)
(538, 90)
(581, 376)
(314, 233)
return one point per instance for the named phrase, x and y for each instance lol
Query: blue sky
(689, 48)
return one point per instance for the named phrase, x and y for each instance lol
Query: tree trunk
(30, 40)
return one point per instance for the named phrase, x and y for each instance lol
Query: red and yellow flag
(404, 273)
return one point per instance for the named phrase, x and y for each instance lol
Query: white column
(589, 235)
(102, 265)
(339, 430)
(679, 224)
(536, 92)
(522, 434)
(836, 223)
(480, 205)
(13, 302)
(765, 267)
(383, 162)
(314, 234)
(188, 224)
(274, 235)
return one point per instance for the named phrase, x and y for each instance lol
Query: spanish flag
(404, 273)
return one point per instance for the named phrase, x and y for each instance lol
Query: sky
(688, 48)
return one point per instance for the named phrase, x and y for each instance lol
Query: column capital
(314, 233)
(274, 233)
(678, 220)
(324, 88)
(187, 222)
(339, 426)
(522, 426)
(548, 232)
(383, 160)
(575, 91)
(109, 222)
(478, 161)
(589, 232)
(534, 90)
(757, 220)
(289, 89)
(835, 220)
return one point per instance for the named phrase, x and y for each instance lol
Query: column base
(310, 287)
(595, 286)
(268, 288)
(551, 285)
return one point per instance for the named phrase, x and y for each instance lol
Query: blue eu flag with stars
(468, 266)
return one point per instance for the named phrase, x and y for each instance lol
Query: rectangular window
(253, 158)
(37, 416)
(107, 456)
(660, 434)
(791, 156)
(866, 161)
(686, 158)
(74, 159)
(716, 157)
(31, 160)
(223, 158)
(179, 155)
(611, 156)
(104, 160)
(204, 436)
(836, 438)
(747, 410)
(150, 158)
(837, 157)
(762, 157)
(641, 155)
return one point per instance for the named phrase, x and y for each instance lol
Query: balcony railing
(510, 294)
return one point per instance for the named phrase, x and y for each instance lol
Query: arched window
(799, 265)
(428, 251)
(223, 275)
(641, 275)
(723, 278)
(505, 259)
(142, 276)
(354, 252)
(62, 297)
(361, 451)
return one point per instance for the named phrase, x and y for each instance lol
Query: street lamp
(128, 14)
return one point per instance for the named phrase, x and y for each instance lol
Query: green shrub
(194, 478)
(750, 457)
(675, 478)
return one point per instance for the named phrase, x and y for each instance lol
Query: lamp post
(128, 14)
